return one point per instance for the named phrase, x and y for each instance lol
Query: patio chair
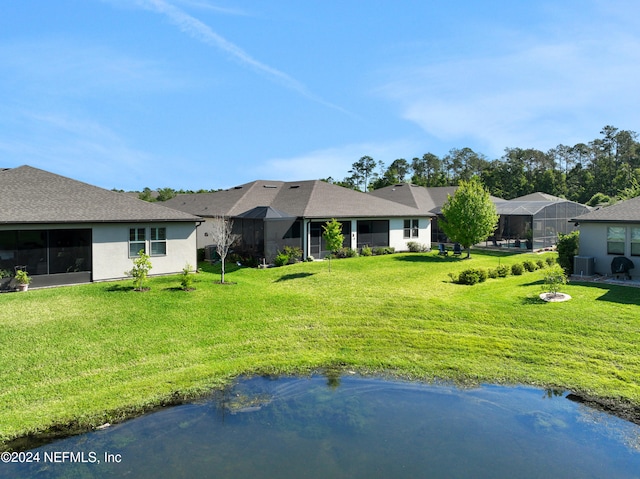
(442, 250)
(457, 249)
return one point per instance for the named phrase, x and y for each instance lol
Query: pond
(352, 427)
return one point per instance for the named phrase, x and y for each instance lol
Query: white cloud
(537, 94)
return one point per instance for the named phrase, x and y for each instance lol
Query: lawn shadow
(288, 277)
(614, 293)
(118, 288)
(427, 258)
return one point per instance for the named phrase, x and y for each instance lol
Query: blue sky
(211, 94)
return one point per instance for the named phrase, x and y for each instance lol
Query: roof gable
(31, 195)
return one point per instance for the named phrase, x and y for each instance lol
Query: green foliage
(22, 277)
(517, 269)
(503, 270)
(140, 271)
(472, 276)
(366, 251)
(567, 248)
(541, 264)
(5, 273)
(186, 277)
(554, 278)
(380, 250)
(598, 199)
(281, 259)
(469, 215)
(415, 247)
(332, 234)
(492, 273)
(550, 260)
(345, 252)
(294, 253)
(529, 265)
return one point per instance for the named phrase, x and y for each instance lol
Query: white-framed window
(411, 228)
(158, 241)
(635, 241)
(616, 237)
(137, 241)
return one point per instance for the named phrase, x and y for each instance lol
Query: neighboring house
(64, 231)
(269, 215)
(430, 199)
(529, 222)
(610, 232)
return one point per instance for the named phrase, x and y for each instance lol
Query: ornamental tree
(469, 215)
(332, 234)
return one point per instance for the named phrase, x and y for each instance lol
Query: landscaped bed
(78, 357)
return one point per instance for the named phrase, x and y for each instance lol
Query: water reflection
(351, 427)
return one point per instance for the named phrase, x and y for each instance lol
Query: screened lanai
(530, 224)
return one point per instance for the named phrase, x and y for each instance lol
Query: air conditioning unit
(584, 265)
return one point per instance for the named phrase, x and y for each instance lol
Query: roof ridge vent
(269, 186)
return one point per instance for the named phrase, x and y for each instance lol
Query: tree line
(601, 171)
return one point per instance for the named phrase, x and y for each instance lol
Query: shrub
(415, 247)
(492, 273)
(366, 251)
(140, 270)
(281, 259)
(550, 260)
(529, 265)
(517, 269)
(503, 270)
(554, 278)
(186, 278)
(567, 249)
(310, 258)
(294, 253)
(472, 276)
(541, 264)
(346, 253)
(380, 250)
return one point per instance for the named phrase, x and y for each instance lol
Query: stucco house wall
(593, 243)
(111, 249)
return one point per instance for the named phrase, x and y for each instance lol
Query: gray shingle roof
(31, 195)
(429, 199)
(307, 199)
(624, 212)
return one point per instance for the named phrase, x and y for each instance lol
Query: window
(635, 241)
(616, 236)
(137, 241)
(411, 228)
(158, 241)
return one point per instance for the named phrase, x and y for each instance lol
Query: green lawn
(90, 354)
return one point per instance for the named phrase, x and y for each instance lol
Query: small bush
(550, 260)
(294, 253)
(310, 258)
(415, 247)
(346, 253)
(517, 269)
(281, 259)
(472, 276)
(541, 264)
(503, 270)
(492, 273)
(186, 278)
(366, 251)
(529, 265)
(554, 278)
(140, 270)
(380, 250)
